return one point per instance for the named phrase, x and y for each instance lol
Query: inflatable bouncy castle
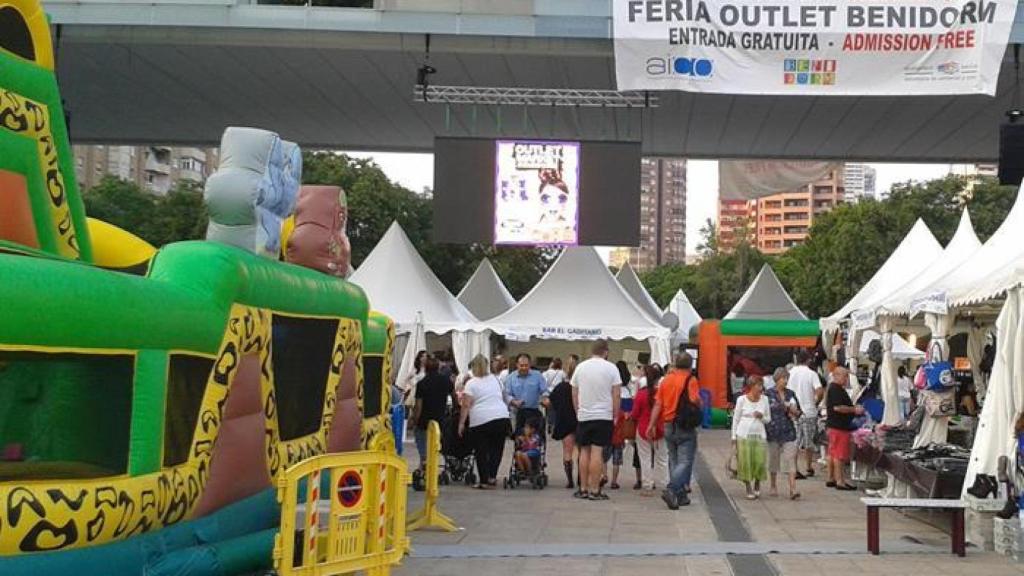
(149, 399)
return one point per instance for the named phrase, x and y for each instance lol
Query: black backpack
(688, 415)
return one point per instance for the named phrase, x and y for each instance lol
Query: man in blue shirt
(526, 387)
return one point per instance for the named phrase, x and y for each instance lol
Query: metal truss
(534, 97)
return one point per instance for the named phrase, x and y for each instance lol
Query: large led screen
(528, 191)
(536, 192)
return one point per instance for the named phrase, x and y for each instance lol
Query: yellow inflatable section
(116, 248)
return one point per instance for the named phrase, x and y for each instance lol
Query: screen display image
(536, 192)
(526, 191)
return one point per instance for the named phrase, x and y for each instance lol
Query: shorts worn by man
(680, 442)
(596, 386)
(806, 386)
(841, 411)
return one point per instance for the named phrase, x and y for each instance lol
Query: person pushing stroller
(526, 387)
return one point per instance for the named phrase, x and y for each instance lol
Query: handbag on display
(938, 372)
(939, 404)
(920, 380)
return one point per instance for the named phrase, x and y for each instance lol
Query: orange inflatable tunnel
(715, 337)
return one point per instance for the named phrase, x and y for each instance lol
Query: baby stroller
(459, 464)
(538, 464)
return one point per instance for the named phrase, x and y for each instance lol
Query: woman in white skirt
(750, 436)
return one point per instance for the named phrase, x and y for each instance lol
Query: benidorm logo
(671, 66)
(949, 68)
(800, 71)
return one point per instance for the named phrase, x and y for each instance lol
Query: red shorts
(839, 444)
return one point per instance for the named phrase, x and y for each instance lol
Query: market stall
(400, 284)
(576, 302)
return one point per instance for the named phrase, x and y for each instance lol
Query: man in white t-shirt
(596, 389)
(806, 385)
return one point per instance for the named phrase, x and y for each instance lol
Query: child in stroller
(528, 462)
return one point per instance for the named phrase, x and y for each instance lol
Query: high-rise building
(154, 168)
(735, 221)
(776, 223)
(662, 216)
(858, 181)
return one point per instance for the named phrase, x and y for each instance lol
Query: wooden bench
(955, 507)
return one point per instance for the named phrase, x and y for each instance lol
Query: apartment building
(662, 216)
(154, 168)
(776, 223)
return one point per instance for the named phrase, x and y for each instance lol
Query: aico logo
(693, 67)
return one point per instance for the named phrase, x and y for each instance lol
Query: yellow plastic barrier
(430, 516)
(358, 527)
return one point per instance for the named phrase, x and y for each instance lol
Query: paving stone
(821, 534)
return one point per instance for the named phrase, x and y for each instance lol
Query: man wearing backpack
(678, 404)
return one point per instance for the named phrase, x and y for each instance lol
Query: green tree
(159, 220)
(124, 204)
(182, 213)
(848, 245)
(716, 282)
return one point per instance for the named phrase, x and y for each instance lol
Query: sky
(416, 172)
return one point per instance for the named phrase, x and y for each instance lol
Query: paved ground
(528, 532)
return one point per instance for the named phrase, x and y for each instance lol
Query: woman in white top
(750, 436)
(485, 410)
(413, 378)
(903, 385)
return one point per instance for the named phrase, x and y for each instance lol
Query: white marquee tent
(991, 270)
(915, 253)
(578, 299)
(901, 349)
(687, 314)
(484, 294)
(963, 246)
(400, 284)
(918, 257)
(630, 282)
(765, 299)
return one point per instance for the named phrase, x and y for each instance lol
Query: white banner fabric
(816, 47)
(750, 179)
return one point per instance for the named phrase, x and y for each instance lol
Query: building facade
(662, 216)
(858, 182)
(776, 223)
(154, 168)
(736, 219)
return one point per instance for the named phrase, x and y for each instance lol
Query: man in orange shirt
(681, 420)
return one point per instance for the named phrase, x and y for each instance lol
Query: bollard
(430, 516)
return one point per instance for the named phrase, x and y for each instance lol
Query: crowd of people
(598, 409)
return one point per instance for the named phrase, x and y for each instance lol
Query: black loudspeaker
(1011, 154)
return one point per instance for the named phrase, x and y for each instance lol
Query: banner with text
(750, 179)
(818, 47)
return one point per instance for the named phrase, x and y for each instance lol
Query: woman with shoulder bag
(750, 436)
(651, 449)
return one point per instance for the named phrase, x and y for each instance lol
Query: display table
(955, 508)
(923, 481)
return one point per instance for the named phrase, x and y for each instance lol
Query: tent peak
(485, 295)
(765, 299)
